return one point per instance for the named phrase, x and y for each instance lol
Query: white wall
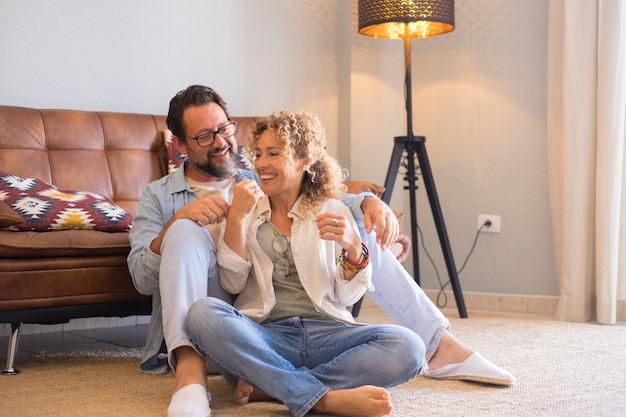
(134, 55)
(479, 97)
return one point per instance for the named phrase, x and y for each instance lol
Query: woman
(293, 255)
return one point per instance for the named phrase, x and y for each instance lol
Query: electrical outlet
(495, 223)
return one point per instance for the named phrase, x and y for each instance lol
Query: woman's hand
(335, 227)
(245, 196)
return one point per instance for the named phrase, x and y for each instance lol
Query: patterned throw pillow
(175, 159)
(44, 207)
(243, 162)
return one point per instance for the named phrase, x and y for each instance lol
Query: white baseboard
(511, 303)
(480, 301)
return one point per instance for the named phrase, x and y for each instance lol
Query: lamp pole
(408, 93)
(414, 146)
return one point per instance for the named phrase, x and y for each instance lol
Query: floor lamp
(407, 19)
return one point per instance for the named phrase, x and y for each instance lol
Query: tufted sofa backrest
(113, 154)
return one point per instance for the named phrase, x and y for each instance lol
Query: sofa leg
(14, 340)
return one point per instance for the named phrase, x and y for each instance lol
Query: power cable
(441, 294)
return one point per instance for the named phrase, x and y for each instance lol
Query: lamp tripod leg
(440, 225)
(416, 145)
(400, 146)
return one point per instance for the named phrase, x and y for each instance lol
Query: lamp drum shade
(386, 19)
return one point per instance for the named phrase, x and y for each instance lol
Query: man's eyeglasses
(207, 139)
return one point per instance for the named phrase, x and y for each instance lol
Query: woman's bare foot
(244, 393)
(365, 401)
(243, 390)
(450, 350)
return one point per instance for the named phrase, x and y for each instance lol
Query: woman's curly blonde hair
(304, 138)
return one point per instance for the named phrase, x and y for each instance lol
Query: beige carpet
(562, 369)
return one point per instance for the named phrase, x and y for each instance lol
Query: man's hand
(405, 245)
(358, 187)
(378, 215)
(207, 210)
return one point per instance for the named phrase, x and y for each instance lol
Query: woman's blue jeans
(297, 361)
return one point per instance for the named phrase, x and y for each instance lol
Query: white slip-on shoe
(476, 368)
(190, 401)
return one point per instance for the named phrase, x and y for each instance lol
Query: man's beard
(229, 169)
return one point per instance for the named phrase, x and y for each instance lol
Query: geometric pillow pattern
(243, 162)
(175, 159)
(44, 207)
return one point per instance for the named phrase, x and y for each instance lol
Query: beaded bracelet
(350, 266)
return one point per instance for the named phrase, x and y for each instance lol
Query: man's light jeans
(401, 298)
(188, 272)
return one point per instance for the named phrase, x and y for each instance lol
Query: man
(172, 257)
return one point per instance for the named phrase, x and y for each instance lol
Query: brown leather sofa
(54, 276)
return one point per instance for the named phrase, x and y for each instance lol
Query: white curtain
(586, 134)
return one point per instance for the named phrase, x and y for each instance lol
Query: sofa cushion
(43, 207)
(8, 216)
(62, 244)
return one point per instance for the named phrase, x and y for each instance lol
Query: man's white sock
(190, 401)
